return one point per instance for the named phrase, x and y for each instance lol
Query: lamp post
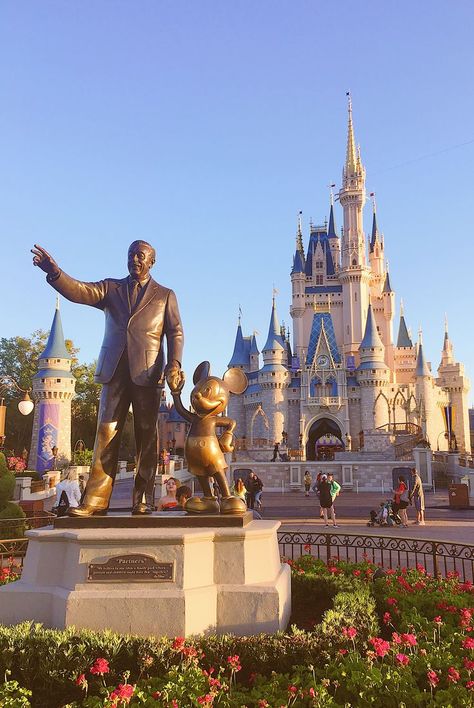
(25, 406)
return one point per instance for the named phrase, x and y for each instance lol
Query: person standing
(257, 491)
(325, 500)
(307, 483)
(139, 313)
(401, 500)
(417, 497)
(276, 451)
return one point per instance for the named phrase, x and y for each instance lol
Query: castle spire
(403, 339)
(371, 338)
(56, 345)
(299, 234)
(274, 340)
(375, 232)
(351, 156)
(331, 228)
(239, 357)
(447, 355)
(422, 368)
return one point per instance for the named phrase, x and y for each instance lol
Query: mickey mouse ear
(235, 380)
(202, 372)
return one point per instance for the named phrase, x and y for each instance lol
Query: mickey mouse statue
(203, 449)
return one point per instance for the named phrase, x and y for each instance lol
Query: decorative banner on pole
(48, 435)
(448, 415)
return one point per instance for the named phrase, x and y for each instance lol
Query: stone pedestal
(222, 580)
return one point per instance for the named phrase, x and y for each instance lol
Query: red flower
(433, 678)
(392, 601)
(343, 652)
(234, 662)
(100, 667)
(438, 620)
(470, 685)
(262, 703)
(292, 690)
(178, 643)
(402, 659)
(81, 681)
(468, 643)
(381, 647)
(396, 638)
(409, 639)
(349, 632)
(468, 664)
(206, 700)
(356, 573)
(307, 547)
(157, 695)
(312, 692)
(453, 675)
(123, 692)
(387, 617)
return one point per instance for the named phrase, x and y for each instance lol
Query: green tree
(85, 405)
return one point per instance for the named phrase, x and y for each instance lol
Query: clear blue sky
(204, 127)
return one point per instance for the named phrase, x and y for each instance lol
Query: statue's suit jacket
(140, 332)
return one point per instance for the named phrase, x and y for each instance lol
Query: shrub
(7, 482)
(12, 524)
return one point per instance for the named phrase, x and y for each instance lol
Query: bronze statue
(203, 449)
(138, 313)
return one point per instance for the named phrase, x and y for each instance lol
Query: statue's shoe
(233, 505)
(202, 505)
(84, 510)
(142, 510)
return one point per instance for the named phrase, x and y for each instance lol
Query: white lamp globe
(26, 405)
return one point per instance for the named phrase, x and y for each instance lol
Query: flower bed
(403, 639)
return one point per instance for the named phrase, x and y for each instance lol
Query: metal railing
(436, 557)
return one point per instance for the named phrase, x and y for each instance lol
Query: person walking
(239, 490)
(325, 500)
(315, 489)
(257, 486)
(276, 451)
(401, 500)
(335, 489)
(307, 483)
(417, 497)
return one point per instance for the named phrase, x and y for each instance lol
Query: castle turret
(274, 377)
(333, 238)
(298, 279)
(53, 390)
(424, 394)
(404, 353)
(452, 377)
(386, 324)
(373, 376)
(241, 360)
(354, 274)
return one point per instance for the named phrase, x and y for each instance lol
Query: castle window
(43, 380)
(319, 280)
(58, 361)
(355, 297)
(58, 380)
(354, 262)
(319, 265)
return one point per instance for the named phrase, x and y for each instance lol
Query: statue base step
(153, 581)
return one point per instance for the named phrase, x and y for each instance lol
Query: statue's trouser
(115, 400)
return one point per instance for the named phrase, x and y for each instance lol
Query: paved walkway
(299, 513)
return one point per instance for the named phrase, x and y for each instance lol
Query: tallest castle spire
(351, 156)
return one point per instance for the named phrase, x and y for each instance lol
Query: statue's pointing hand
(43, 260)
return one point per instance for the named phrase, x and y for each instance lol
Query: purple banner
(48, 435)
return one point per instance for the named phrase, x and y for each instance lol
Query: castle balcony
(328, 402)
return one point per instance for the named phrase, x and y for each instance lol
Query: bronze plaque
(132, 568)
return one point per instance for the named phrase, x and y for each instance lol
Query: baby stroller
(384, 516)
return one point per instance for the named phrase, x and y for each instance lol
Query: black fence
(436, 557)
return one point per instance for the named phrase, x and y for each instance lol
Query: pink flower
(343, 652)
(396, 639)
(392, 601)
(262, 703)
(100, 667)
(402, 659)
(470, 685)
(453, 675)
(349, 632)
(356, 573)
(81, 681)
(124, 692)
(468, 664)
(381, 647)
(234, 662)
(468, 643)
(292, 690)
(433, 678)
(206, 700)
(387, 617)
(438, 620)
(312, 692)
(409, 639)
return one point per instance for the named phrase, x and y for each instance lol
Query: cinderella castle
(347, 381)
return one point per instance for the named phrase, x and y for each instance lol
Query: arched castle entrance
(324, 438)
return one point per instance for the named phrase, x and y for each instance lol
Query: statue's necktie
(134, 293)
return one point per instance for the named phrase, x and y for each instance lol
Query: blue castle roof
(298, 263)
(371, 337)
(331, 228)
(422, 368)
(387, 288)
(403, 339)
(322, 320)
(375, 232)
(56, 346)
(274, 339)
(320, 235)
(240, 357)
(53, 374)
